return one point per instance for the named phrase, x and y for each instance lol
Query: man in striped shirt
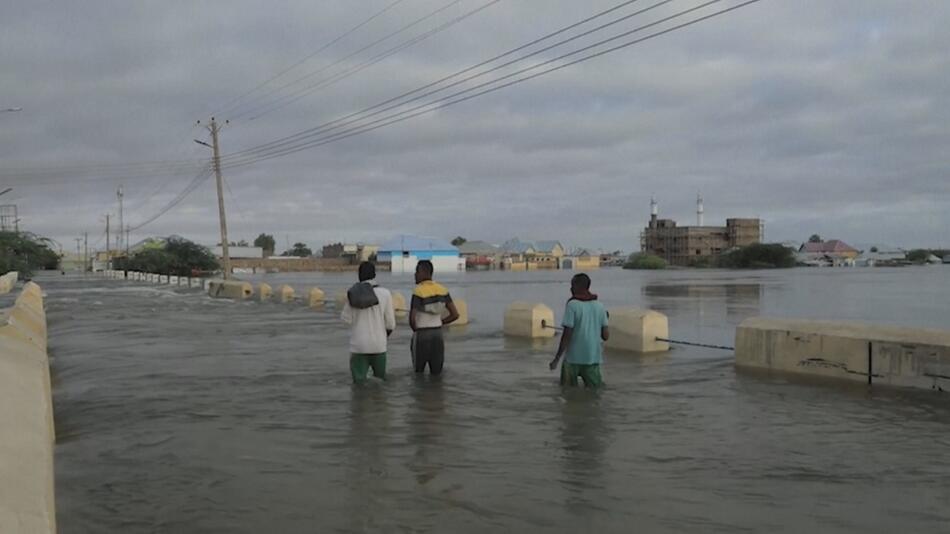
(431, 308)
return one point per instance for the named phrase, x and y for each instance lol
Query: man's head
(367, 271)
(424, 271)
(580, 283)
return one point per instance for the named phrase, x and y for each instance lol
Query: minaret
(699, 209)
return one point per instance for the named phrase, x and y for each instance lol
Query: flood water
(179, 413)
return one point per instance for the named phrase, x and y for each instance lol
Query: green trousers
(361, 363)
(589, 373)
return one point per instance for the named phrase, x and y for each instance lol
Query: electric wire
(335, 124)
(458, 97)
(353, 54)
(231, 104)
(340, 76)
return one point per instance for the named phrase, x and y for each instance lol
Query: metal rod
(692, 344)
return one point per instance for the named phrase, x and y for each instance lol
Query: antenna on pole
(699, 209)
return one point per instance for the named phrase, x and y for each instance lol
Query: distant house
(882, 258)
(401, 254)
(580, 260)
(834, 252)
(521, 256)
(479, 255)
(357, 253)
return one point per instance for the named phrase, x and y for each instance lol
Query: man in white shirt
(371, 324)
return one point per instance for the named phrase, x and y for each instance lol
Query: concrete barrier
(162, 279)
(339, 299)
(27, 502)
(524, 319)
(859, 352)
(228, 289)
(173, 280)
(462, 307)
(195, 282)
(316, 298)
(400, 306)
(264, 291)
(7, 281)
(635, 330)
(285, 293)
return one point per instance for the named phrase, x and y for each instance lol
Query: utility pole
(128, 232)
(108, 250)
(78, 251)
(119, 194)
(225, 253)
(85, 252)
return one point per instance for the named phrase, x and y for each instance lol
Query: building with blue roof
(403, 252)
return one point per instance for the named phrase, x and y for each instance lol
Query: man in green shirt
(585, 328)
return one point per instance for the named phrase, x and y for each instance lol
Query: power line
(197, 181)
(340, 76)
(395, 103)
(232, 103)
(353, 54)
(457, 98)
(453, 75)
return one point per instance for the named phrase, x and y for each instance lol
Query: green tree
(815, 238)
(266, 242)
(642, 260)
(873, 249)
(459, 241)
(759, 256)
(918, 255)
(179, 257)
(26, 252)
(301, 250)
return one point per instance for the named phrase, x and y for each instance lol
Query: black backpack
(362, 296)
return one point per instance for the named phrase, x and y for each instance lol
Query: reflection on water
(585, 437)
(739, 300)
(188, 414)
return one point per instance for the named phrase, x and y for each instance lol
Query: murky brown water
(178, 413)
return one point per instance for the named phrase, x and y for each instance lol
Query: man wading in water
(430, 301)
(585, 327)
(369, 309)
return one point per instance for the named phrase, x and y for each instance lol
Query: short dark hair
(367, 271)
(581, 281)
(425, 266)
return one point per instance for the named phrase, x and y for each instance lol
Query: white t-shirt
(369, 325)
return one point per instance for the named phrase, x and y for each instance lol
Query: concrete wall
(27, 503)
(859, 352)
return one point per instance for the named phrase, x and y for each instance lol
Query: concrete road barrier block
(526, 319)
(228, 289)
(462, 308)
(264, 291)
(285, 293)
(173, 280)
(859, 352)
(316, 298)
(339, 299)
(163, 279)
(27, 502)
(196, 282)
(636, 330)
(8, 281)
(400, 306)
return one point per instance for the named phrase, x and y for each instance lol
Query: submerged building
(690, 245)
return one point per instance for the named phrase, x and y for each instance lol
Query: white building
(403, 252)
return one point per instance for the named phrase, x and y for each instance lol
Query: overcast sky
(817, 116)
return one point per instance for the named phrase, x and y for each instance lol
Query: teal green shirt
(586, 319)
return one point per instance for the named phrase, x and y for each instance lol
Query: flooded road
(179, 413)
